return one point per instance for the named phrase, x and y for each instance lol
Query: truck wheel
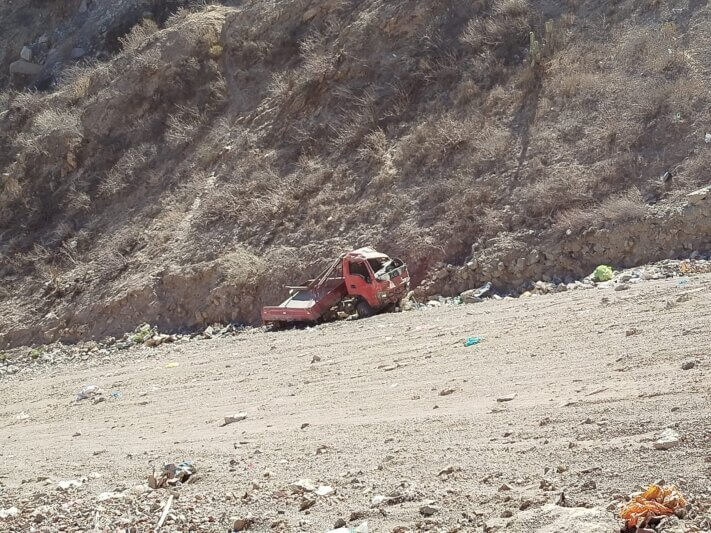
(364, 310)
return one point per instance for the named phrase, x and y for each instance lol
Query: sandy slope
(589, 398)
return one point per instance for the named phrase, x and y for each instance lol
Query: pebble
(446, 392)
(235, 418)
(428, 510)
(508, 398)
(688, 365)
(667, 439)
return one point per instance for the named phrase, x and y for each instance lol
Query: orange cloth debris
(655, 501)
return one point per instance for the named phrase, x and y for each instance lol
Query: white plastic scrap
(10, 512)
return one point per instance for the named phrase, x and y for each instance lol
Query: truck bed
(307, 305)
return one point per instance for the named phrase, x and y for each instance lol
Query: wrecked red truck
(363, 281)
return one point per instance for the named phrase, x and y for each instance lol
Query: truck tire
(364, 310)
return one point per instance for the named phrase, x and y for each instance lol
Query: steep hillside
(228, 149)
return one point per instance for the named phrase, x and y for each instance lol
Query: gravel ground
(411, 430)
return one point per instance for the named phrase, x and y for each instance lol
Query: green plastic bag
(602, 273)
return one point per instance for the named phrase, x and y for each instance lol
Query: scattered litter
(234, 418)
(173, 474)
(22, 416)
(476, 295)
(682, 281)
(115, 394)
(172, 365)
(164, 515)
(471, 341)
(10, 512)
(89, 392)
(707, 138)
(602, 273)
(667, 439)
(655, 501)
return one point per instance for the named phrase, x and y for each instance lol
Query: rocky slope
(180, 173)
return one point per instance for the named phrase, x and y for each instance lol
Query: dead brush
(183, 125)
(619, 209)
(138, 35)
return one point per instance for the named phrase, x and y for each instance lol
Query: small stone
(446, 392)
(525, 504)
(234, 418)
(315, 359)
(339, 523)
(78, 53)
(306, 503)
(25, 68)
(506, 514)
(667, 439)
(561, 468)
(77, 434)
(26, 53)
(688, 365)
(504, 487)
(241, 524)
(449, 470)
(622, 286)
(303, 485)
(428, 510)
(699, 196)
(305, 425)
(376, 500)
(508, 398)
(589, 485)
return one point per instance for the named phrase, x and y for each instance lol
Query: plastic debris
(471, 341)
(655, 501)
(173, 473)
(476, 295)
(602, 273)
(10, 512)
(88, 392)
(172, 365)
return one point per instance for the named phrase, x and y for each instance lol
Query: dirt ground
(597, 375)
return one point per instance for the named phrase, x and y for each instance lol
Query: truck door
(359, 281)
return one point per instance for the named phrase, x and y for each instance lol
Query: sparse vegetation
(420, 128)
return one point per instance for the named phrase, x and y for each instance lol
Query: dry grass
(417, 126)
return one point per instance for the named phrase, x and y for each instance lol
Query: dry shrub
(504, 31)
(4, 102)
(138, 35)
(128, 169)
(53, 131)
(615, 210)
(183, 125)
